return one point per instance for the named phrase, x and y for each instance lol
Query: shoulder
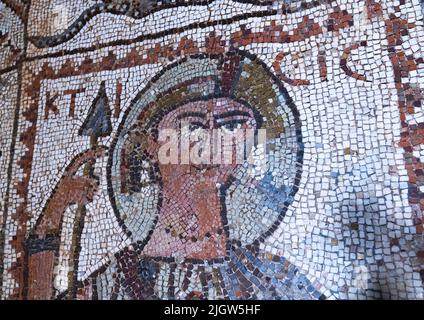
(288, 279)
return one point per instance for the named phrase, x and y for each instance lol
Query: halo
(258, 196)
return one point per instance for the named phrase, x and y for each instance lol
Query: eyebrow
(231, 114)
(191, 114)
(223, 123)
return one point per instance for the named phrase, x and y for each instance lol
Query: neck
(190, 223)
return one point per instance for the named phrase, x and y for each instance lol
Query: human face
(190, 223)
(205, 130)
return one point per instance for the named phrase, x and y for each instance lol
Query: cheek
(173, 172)
(224, 172)
(166, 170)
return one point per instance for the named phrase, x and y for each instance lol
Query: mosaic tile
(11, 33)
(211, 149)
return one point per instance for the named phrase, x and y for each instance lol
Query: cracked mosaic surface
(328, 207)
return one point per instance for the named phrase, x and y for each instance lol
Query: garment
(247, 273)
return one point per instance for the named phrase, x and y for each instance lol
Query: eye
(194, 126)
(190, 128)
(231, 126)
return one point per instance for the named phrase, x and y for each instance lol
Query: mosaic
(211, 149)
